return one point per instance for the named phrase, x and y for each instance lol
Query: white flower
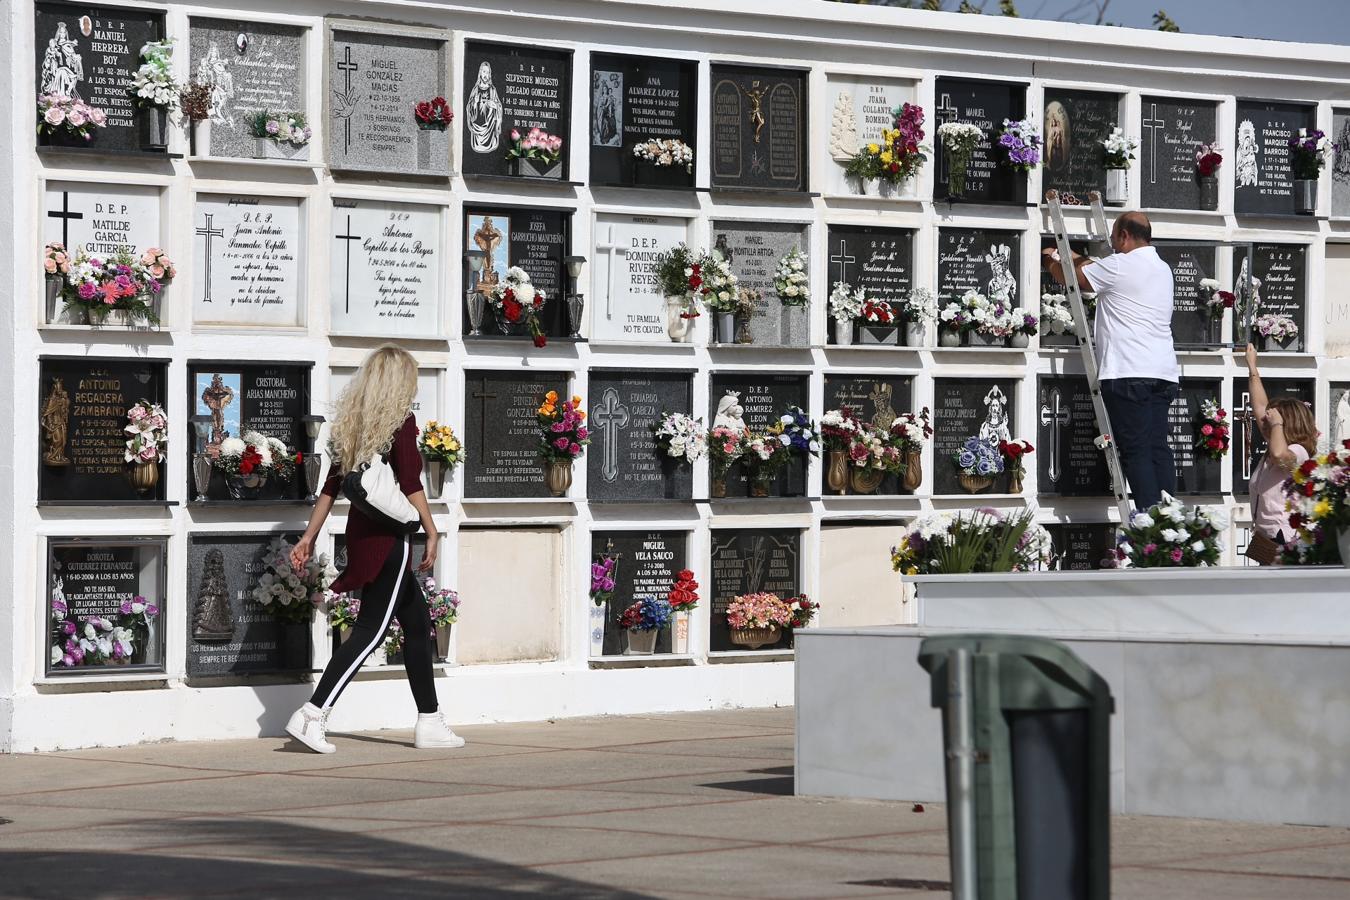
(1175, 536)
(1141, 520)
(56, 654)
(232, 446)
(1198, 546)
(1218, 517)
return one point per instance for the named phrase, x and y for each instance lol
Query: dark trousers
(394, 592)
(1138, 410)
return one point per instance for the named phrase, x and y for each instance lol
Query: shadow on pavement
(781, 786)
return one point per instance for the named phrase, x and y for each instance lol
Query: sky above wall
(1315, 21)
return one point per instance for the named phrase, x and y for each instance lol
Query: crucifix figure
(1055, 416)
(485, 397)
(65, 215)
(346, 101)
(843, 257)
(609, 417)
(1153, 125)
(755, 94)
(208, 232)
(216, 397)
(610, 249)
(347, 240)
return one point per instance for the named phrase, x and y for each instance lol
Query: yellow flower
(1321, 508)
(576, 401)
(873, 149)
(1299, 477)
(886, 157)
(912, 570)
(452, 444)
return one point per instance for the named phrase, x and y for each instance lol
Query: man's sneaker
(308, 725)
(433, 732)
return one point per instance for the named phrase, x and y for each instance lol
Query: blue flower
(966, 459)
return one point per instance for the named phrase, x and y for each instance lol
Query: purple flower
(67, 660)
(273, 127)
(67, 627)
(87, 291)
(558, 427)
(607, 584)
(125, 607)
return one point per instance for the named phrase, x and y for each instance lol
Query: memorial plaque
(764, 398)
(1283, 270)
(646, 563)
(241, 397)
(751, 561)
(229, 632)
(623, 462)
(984, 104)
(426, 404)
(91, 53)
(1262, 161)
(82, 414)
(635, 99)
(247, 269)
(1248, 445)
(759, 128)
(1340, 163)
(877, 398)
(101, 218)
(249, 66)
(1068, 463)
(860, 110)
(970, 407)
(878, 260)
(754, 249)
(94, 579)
(385, 268)
(980, 260)
(1081, 546)
(512, 87)
(536, 240)
(1197, 472)
(501, 431)
(626, 304)
(376, 75)
(1171, 129)
(1191, 322)
(1076, 123)
(1339, 403)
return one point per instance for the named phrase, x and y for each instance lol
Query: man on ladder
(1136, 361)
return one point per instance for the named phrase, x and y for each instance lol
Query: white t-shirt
(1134, 316)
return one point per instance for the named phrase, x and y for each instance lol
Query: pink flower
(50, 266)
(76, 118)
(561, 443)
(1207, 430)
(558, 427)
(515, 134)
(86, 290)
(574, 449)
(582, 432)
(1150, 548)
(98, 116)
(54, 115)
(1176, 555)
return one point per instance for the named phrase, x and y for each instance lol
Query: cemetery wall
(293, 263)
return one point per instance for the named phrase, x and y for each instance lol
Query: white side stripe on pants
(379, 635)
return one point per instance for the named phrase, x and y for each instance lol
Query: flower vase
(435, 478)
(1015, 482)
(879, 335)
(866, 480)
(1209, 193)
(201, 475)
(245, 487)
(154, 128)
(1272, 344)
(726, 328)
(670, 473)
(558, 475)
(743, 330)
(843, 333)
(144, 476)
(1117, 187)
(759, 485)
(985, 339)
(443, 641)
(717, 487)
(576, 305)
(641, 642)
(956, 176)
(915, 333)
(313, 464)
(860, 186)
(679, 635)
(973, 484)
(949, 337)
(53, 298)
(1343, 544)
(836, 471)
(913, 471)
(1019, 340)
(476, 303)
(530, 168)
(119, 318)
(678, 328)
(754, 638)
(886, 189)
(201, 138)
(1305, 196)
(596, 625)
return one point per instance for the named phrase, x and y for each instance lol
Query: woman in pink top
(1290, 432)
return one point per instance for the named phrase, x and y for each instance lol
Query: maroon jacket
(367, 543)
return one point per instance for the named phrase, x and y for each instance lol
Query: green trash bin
(1026, 727)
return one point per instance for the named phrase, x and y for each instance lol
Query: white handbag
(373, 489)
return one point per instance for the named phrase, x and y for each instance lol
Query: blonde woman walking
(374, 417)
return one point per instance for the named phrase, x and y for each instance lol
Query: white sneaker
(308, 725)
(433, 732)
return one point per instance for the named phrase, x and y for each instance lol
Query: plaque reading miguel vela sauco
(385, 270)
(635, 99)
(1171, 130)
(512, 88)
(750, 561)
(646, 563)
(624, 462)
(501, 426)
(247, 271)
(754, 249)
(1076, 122)
(1262, 160)
(626, 304)
(758, 128)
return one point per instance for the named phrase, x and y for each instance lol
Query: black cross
(348, 237)
(347, 67)
(65, 215)
(208, 232)
(485, 397)
(843, 258)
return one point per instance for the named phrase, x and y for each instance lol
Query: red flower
(1309, 489)
(1296, 520)
(685, 575)
(423, 111)
(249, 460)
(540, 340)
(299, 457)
(1308, 467)
(511, 309)
(695, 282)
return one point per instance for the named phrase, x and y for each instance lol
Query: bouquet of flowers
(1214, 428)
(960, 140)
(978, 457)
(99, 640)
(765, 454)
(148, 426)
(646, 614)
(281, 127)
(537, 145)
(910, 431)
(57, 112)
(798, 433)
(877, 312)
(790, 280)
(1055, 315)
(153, 83)
(1277, 326)
(393, 639)
(1216, 300)
(562, 428)
(761, 610)
(865, 164)
(1021, 144)
(666, 152)
(438, 442)
(1119, 149)
(719, 283)
(725, 447)
(602, 580)
(919, 306)
(55, 260)
(289, 595)
(837, 428)
(956, 316)
(443, 602)
(747, 298)
(904, 155)
(803, 611)
(1014, 455)
(1208, 158)
(1023, 322)
(255, 453)
(873, 448)
(1309, 151)
(972, 540)
(981, 313)
(194, 99)
(1170, 535)
(681, 436)
(342, 610)
(515, 299)
(684, 594)
(433, 113)
(121, 282)
(846, 304)
(1317, 503)
(682, 273)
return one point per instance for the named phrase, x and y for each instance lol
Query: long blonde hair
(373, 405)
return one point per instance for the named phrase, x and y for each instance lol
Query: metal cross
(1052, 414)
(208, 232)
(1153, 125)
(946, 112)
(843, 258)
(65, 215)
(610, 416)
(347, 67)
(610, 249)
(347, 239)
(485, 397)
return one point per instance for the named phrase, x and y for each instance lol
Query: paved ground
(683, 806)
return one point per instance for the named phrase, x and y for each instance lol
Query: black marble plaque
(1197, 472)
(984, 104)
(502, 431)
(878, 260)
(623, 462)
(97, 580)
(965, 408)
(749, 561)
(1248, 445)
(82, 411)
(764, 398)
(536, 240)
(874, 398)
(1171, 129)
(533, 88)
(977, 259)
(1191, 322)
(645, 566)
(1283, 270)
(1076, 123)
(1080, 547)
(1068, 463)
(635, 99)
(1262, 161)
(92, 53)
(759, 128)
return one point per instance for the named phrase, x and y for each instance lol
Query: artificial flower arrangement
(978, 458)
(515, 299)
(846, 304)
(665, 152)
(194, 99)
(972, 540)
(99, 285)
(1216, 300)
(562, 428)
(537, 145)
(1276, 326)
(603, 574)
(153, 83)
(765, 454)
(681, 436)
(837, 429)
(798, 433)
(1171, 535)
(59, 114)
(442, 602)
(438, 442)
(906, 154)
(343, 609)
(683, 596)
(393, 641)
(280, 127)
(1021, 144)
(1308, 152)
(1014, 455)
(803, 611)
(877, 312)
(1214, 430)
(726, 446)
(960, 140)
(1057, 318)
(910, 431)
(148, 427)
(646, 614)
(693, 277)
(758, 610)
(872, 448)
(55, 261)
(1208, 158)
(719, 290)
(1119, 149)
(292, 596)
(1319, 509)
(99, 640)
(790, 279)
(1023, 322)
(919, 306)
(256, 454)
(433, 114)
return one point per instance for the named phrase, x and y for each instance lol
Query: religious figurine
(62, 67)
(730, 412)
(607, 129)
(1057, 133)
(881, 397)
(1247, 149)
(213, 73)
(756, 97)
(1002, 282)
(843, 128)
(994, 428)
(213, 619)
(217, 396)
(488, 238)
(483, 112)
(56, 424)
